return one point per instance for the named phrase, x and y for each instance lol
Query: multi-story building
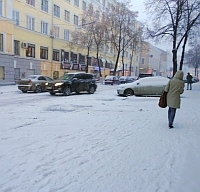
(35, 39)
(153, 60)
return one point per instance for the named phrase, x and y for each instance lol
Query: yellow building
(35, 39)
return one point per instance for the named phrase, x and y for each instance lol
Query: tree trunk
(99, 63)
(87, 64)
(183, 52)
(174, 60)
(116, 63)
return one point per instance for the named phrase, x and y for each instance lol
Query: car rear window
(31, 77)
(145, 75)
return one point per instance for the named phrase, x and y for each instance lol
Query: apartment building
(35, 38)
(153, 60)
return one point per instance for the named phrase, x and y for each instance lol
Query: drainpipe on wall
(52, 37)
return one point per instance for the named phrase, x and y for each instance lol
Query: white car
(144, 86)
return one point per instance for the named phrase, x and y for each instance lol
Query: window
(84, 23)
(44, 5)
(76, 3)
(30, 51)
(30, 23)
(142, 61)
(75, 20)
(1, 42)
(1, 7)
(56, 11)
(66, 35)
(55, 55)
(97, 14)
(43, 53)
(103, 2)
(111, 49)
(56, 31)
(16, 47)
(84, 6)
(91, 9)
(67, 16)
(126, 54)
(31, 2)
(44, 27)
(15, 17)
(106, 48)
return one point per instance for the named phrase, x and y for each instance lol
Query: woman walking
(174, 89)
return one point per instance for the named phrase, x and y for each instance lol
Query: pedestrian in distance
(174, 89)
(189, 81)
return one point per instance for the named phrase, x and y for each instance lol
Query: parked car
(36, 83)
(73, 82)
(142, 75)
(111, 80)
(195, 79)
(144, 86)
(125, 79)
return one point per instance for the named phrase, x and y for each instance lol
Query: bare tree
(173, 20)
(83, 38)
(192, 58)
(97, 30)
(122, 26)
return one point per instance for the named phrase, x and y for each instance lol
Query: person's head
(188, 73)
(179, 75)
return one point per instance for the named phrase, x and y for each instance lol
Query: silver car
(144, 86)
(36, 83)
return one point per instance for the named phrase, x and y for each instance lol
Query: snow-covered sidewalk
(97, 143)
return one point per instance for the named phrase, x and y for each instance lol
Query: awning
(97, 68)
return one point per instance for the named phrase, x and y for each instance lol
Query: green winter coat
(174, 89)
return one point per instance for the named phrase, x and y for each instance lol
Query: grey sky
(138, 5)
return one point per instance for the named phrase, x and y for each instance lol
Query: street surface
(97, 143)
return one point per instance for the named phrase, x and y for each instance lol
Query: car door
(87, 80)
(76, 83)
(142, 87)
(42, 82)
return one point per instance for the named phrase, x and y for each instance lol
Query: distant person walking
(174, 89)
(189, 81)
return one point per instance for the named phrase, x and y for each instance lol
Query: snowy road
(97, 143)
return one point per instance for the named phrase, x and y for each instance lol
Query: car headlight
(58, 84)
(46, 83)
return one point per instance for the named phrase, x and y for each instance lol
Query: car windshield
(66, 76)
(32, 77)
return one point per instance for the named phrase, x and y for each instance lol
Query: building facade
(35, 39)
(154, 60)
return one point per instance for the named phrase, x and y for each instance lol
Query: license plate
(49, 88)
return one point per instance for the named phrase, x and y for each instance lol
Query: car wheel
(38, 89)
(52, 93)
(128, 92)
(24, 91)
(66, 91)
(91, 90)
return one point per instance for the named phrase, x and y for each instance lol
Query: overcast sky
(139, 6)
(142, 16)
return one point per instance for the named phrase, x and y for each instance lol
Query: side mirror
(75, 79)
(138, 83)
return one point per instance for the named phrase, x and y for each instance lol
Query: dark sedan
(36, 83)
